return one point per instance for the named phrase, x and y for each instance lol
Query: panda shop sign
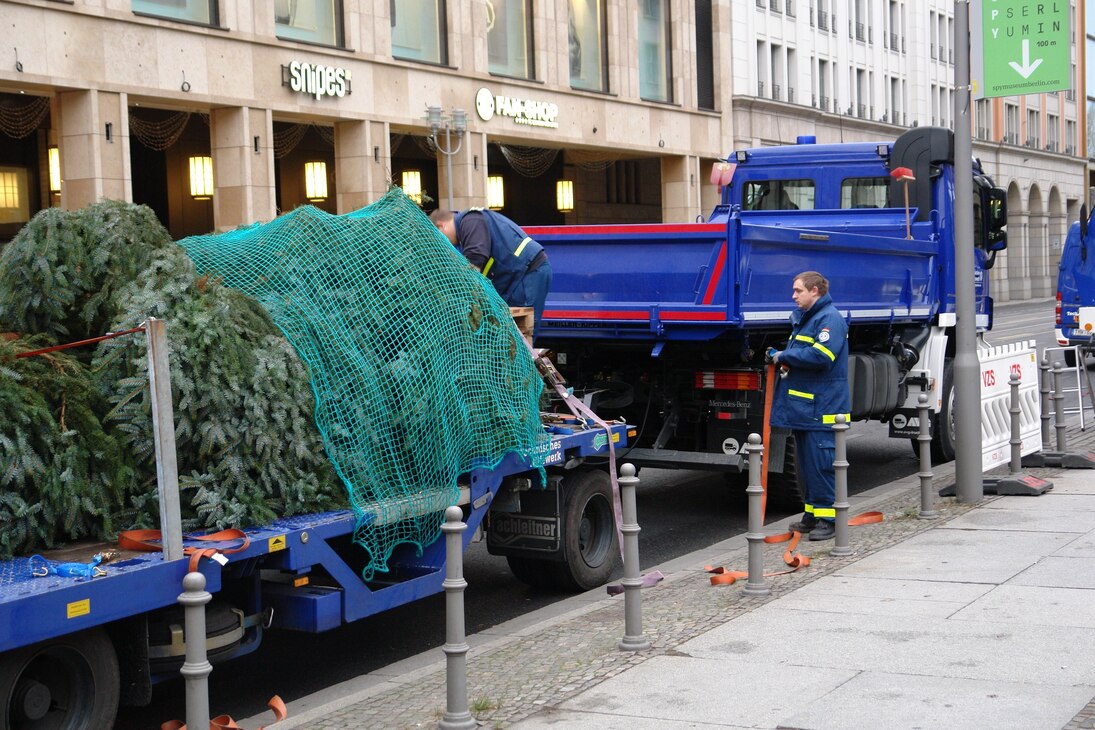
(522, 111)
(315, 79)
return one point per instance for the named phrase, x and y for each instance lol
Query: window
(1034, 132)
(509, 38)
(654, 71)
(194, 11)
(778, 195)
(1053, 134)
(587, 34)
(1011, 123)
(418, 30)
(983, 122)
(315, 21)
(864, 192)
(14, 195)
(705, 56)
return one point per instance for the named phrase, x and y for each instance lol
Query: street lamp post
(455, 122)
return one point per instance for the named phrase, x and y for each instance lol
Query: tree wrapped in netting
(418, 371)
(76, 449)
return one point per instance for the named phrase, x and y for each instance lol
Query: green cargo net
(418, 370)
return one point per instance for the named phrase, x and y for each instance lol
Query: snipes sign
(315, 79)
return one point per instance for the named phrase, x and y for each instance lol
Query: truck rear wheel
(69, 683)
(787, 489)
(590, 546)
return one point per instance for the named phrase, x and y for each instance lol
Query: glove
(771, 355)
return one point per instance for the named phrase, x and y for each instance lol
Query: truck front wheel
(943, 427)
(590, 545)
(70, 683)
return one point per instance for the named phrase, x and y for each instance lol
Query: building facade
(860, 70)
(218, 114)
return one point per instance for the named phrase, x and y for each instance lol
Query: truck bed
(692, 281)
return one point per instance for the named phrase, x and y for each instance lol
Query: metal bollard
(1016, 440)
(841, 548)
(633, 639)
(1059, 408)
(927, 504)
(1044, 391)
(456, 715)
(196, 668)
(755, 492)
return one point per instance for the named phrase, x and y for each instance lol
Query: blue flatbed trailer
(70, 647)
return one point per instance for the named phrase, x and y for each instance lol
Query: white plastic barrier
(997, 366)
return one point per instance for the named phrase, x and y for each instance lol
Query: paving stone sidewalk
(520, 674)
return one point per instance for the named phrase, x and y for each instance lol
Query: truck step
(668, 458)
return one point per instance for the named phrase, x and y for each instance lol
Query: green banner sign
(1021, 47)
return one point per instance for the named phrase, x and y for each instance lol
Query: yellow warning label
(616, 437)
(277, 543)
(79, 608)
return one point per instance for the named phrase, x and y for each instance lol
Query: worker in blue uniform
(498, 248)
(811, 391)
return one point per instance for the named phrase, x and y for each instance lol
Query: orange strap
(721, 576)
(766, 436)
(152, 541)
(224, 722)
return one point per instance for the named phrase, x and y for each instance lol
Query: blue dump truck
(1076, 289)
(666, 325)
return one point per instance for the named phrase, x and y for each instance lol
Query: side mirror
(1083, 222)
(997, 219)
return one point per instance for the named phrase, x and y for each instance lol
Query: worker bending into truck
(811, 390)
(498, 248)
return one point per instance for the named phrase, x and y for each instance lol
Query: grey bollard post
(196, 667)
(841, 548)
(456, 715)
(755, 536)
(1016, 434)
(927, 503)
(1044, 390)
(1059, 408)
(633, 639)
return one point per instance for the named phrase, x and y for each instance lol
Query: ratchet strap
(722, 577)
(224, 722)
(766, 436)
(152, 541)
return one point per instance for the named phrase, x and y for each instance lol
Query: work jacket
(511, 250)
(814, 389)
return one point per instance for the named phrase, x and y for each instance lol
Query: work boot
(824, 530)
(807, 523)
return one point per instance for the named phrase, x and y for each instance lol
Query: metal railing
(823, 20)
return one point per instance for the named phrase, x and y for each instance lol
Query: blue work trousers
(532, 290)
(815, 451)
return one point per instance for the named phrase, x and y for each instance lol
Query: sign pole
(967, 403)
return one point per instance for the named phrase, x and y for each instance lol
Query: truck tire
(71, 683)
(221, 620)
(943, 422)
(786, 489)
(538, 574)
(590, 548)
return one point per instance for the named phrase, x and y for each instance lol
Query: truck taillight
(728, 379)
(1057, 311)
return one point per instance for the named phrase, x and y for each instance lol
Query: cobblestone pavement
(509, 680)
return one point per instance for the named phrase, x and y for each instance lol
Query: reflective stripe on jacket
(815, 388)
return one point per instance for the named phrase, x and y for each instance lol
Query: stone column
(94, 143)
(363, 163)
(243, 178)
(680, 188)
(469, 172)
